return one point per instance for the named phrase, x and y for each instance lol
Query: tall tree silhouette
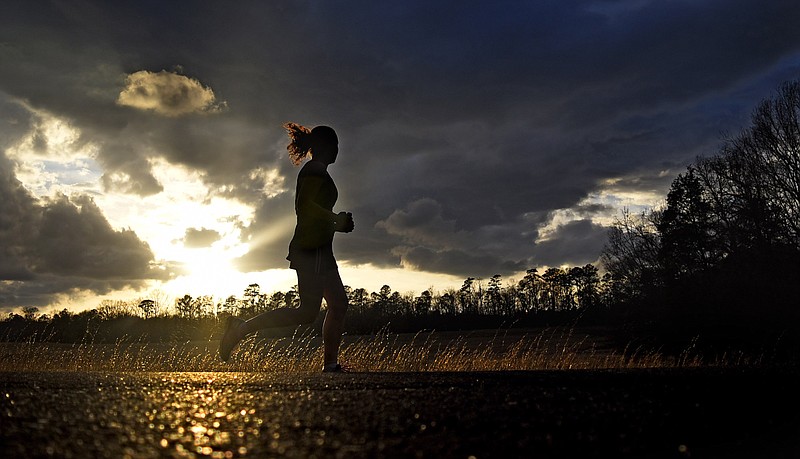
(690, 236)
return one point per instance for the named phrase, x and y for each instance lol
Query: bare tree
(631, 255)
(764, 167)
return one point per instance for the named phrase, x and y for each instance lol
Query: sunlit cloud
(271, 181)
(168, 94)
(163, 219)
(53, 158)
(603, 206)
(577, 234)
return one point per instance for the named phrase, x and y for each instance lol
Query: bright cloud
(52, 158)
(168, 94)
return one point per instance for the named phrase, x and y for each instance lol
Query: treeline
(721, 259)
(556, 296)
(554, 290)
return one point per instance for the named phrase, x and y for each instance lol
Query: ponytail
(300, 143)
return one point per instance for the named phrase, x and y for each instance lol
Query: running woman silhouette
(310, 250)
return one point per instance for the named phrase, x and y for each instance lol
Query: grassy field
(486, 350)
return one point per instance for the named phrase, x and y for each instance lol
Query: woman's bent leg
(333, 327)
(311, 287)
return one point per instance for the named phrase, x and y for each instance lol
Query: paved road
(632, 413)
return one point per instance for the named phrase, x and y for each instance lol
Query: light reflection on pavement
(658, 413)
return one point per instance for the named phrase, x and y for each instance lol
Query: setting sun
(208, 271)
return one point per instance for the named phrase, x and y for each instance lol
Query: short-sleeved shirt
(311, 247)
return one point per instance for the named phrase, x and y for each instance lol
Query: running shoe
(337, 369)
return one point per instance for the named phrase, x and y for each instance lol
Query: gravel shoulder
(656, 413)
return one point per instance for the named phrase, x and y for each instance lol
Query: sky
(141, 148)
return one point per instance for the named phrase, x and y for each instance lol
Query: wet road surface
(620, 413)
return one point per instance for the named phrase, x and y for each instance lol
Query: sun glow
(208, 271)
(216, 277)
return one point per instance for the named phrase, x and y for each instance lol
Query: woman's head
(321, 142)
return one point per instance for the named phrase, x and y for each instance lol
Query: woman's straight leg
(333, 327)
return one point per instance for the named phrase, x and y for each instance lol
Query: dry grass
(548, 349)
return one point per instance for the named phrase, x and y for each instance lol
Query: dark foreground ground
(696, 413)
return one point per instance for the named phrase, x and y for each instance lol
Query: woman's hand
(344, 222)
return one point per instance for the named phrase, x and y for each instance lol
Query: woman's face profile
(334, 151)
(327, 151)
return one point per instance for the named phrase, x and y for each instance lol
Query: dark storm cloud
(74, 238)
(421, 222)
(455, 262)
(62, 245)
(430, 243)
(200, 237)
(487, 115)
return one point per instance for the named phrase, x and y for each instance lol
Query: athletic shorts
(318, 261)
